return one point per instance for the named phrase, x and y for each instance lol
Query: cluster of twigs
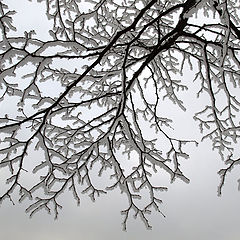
(99, 110)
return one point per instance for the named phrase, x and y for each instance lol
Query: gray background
(193, 211)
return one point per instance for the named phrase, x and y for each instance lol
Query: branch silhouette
(83, 97)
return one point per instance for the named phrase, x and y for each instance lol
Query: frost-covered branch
(88, 100)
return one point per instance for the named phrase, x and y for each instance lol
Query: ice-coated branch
(89, 98)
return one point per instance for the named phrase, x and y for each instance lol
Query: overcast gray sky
(193, 211)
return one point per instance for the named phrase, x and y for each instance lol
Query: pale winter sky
(193, 211)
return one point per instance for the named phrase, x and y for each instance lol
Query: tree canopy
(92, 92)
